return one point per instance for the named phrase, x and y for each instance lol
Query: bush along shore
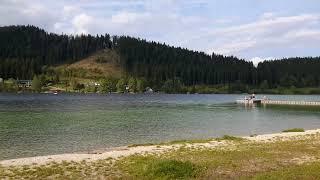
(45, 83)
(293, 154)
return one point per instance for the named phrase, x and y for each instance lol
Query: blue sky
(250, 29)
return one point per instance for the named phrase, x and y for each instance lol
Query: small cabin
(24, 83)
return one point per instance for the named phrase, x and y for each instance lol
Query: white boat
(249, 100)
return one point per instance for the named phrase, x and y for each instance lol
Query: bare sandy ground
(115, 153)
(127, 151)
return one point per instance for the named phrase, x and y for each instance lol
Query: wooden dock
(278, 102)
(300, 103)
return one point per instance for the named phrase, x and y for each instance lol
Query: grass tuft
(137, 145)
(190, 141)
(230, 138)
(171, 169)
(304, 171)
(294, 130)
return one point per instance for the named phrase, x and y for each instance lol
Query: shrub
(230, 138)
(294, 130)
(171, 169)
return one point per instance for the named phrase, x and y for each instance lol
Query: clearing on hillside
(101, 64)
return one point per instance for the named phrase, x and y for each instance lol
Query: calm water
(42, 124)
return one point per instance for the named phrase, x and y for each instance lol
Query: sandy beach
(127, 151)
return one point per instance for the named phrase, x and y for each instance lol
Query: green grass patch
(63, 170)
(230, 138)
(137, 145)
(190, 141)
(305, 171)
(171, 169)
(238, 160)
(294, 130)
(244, 159)
(151, 167)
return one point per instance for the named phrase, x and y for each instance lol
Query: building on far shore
(148, 90)
(24, 83)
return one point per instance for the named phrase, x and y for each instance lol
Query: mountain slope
(104, 63)
(26, 51)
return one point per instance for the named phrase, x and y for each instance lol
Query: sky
(249, 29)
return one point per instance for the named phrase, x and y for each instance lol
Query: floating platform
(278, 102)
(249, 101)
(302, 103)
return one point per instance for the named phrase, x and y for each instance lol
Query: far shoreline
(155, 93)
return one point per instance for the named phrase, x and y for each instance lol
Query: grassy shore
(292, 155)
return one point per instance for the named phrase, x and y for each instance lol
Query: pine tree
(36, 84)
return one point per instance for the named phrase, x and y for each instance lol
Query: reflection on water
(40, 124)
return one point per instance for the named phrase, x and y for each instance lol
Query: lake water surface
(42, 124)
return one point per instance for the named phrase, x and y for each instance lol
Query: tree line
(287, 72)
(26, 51)
(160, 62)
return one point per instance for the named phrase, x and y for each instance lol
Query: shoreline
(158, 92)
(118, 152)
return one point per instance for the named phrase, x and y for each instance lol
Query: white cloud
(126, 18)
(81, 23)
(303, 34)
(34, 10)
(257, 60)
(69, 10)
(268, 15)
(13, 12)
(264, 33)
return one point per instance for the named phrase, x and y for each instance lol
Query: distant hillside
(160, 62)
(26, 51)
(104, 63)
(297, 72)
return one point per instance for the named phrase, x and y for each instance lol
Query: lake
(43, 124)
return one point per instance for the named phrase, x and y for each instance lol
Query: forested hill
(25, 51)
(298, 72)
(159, 62)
